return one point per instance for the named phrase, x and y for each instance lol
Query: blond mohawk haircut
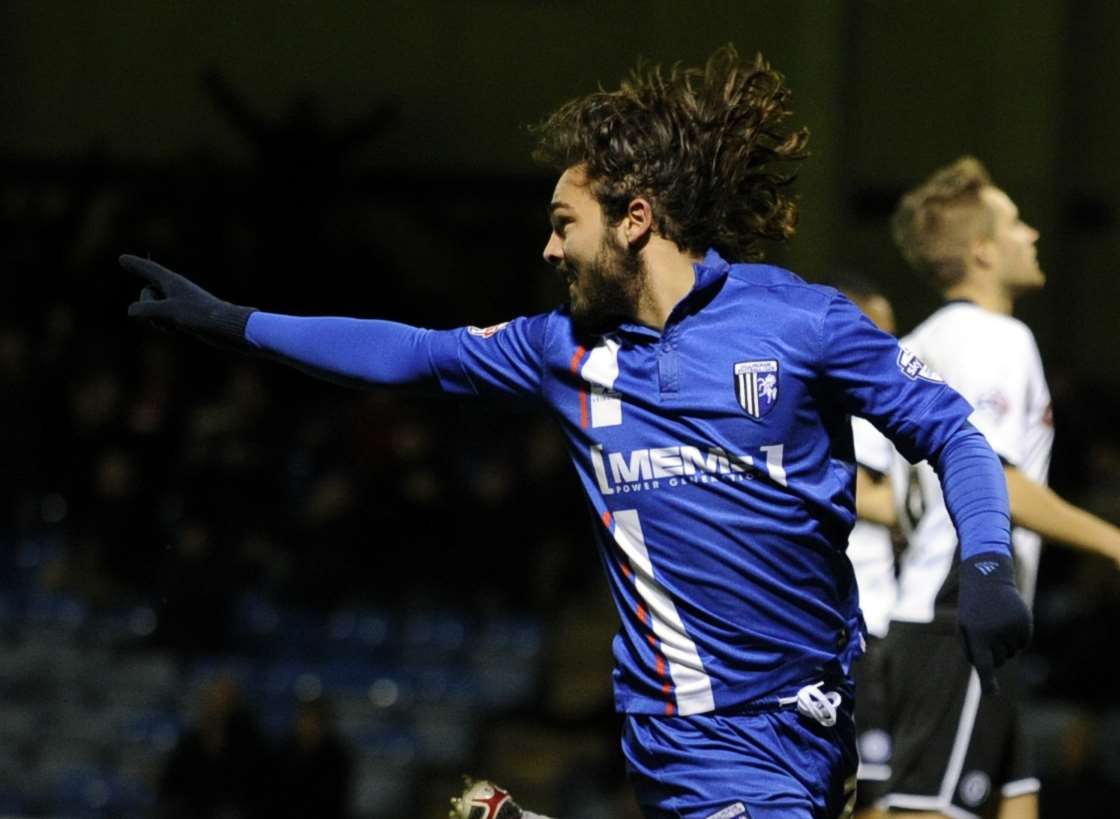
(936, 223)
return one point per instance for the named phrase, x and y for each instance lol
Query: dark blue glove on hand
(171, 301)
(994, 621)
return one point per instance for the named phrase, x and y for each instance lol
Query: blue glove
(173, 302)
(994, 621)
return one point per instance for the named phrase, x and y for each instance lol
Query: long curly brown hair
(702, 144)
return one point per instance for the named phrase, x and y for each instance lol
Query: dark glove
(171, 301)
(994, 621)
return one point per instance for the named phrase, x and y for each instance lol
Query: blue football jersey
(717, 458)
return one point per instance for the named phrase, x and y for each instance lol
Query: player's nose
(553, 250)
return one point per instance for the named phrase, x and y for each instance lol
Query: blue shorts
(770, 765)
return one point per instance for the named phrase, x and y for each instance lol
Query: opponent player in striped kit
(706, 408)
(957, 751)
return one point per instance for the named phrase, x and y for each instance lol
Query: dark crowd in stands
(170, 474)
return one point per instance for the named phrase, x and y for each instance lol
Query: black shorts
(873, 737)
(955, 751)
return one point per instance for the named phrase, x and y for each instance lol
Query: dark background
(179, 523)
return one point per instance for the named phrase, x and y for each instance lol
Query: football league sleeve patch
(504, 359)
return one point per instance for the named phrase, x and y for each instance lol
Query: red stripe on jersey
(577, 357)
(643, 616)
(662, 665)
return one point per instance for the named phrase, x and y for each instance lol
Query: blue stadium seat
(154, 728)
(263, 629)
(12, 801)
(92, 793)
(362, 633)
(81, 792)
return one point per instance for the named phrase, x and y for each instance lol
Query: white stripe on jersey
(600, 371)
(691, 683)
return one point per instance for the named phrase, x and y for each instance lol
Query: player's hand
(171, 300)
(995, 623)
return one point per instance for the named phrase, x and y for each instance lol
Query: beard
(605, 290)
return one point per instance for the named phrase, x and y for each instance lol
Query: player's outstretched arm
(994, 621)
(505, 359)
(351, 351)
(1040, 509)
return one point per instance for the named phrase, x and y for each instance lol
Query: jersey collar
(711, 272)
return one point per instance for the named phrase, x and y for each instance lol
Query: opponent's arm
(1036, 507)
(875, 498)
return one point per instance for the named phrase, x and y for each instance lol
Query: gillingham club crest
(756, 386)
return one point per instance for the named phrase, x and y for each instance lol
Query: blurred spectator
(197, 591)
(18, 425)
(314, 769)
(220, 768)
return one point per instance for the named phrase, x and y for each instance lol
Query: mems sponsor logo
(671, 466)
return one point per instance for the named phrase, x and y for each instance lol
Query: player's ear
(638, 222)
(982, 252)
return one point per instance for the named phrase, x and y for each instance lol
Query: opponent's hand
(170, 300)
(995, 623)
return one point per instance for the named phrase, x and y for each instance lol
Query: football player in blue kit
(706, 401)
